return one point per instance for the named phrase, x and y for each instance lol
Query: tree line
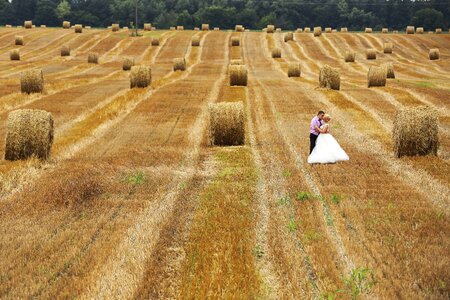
(254, 14)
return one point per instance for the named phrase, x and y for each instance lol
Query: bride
(327, 149)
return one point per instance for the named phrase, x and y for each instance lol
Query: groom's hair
(321, 112)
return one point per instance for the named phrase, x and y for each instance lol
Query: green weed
(360, 281)
(258, 251)
(336, 199)
(303, 196)
(285, 200)
(292, 225)
(136, 178)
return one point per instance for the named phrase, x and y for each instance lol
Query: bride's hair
(327, 117)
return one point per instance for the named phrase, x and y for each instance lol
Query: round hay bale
(384, 30)
(430, 32)
(307, 30)
(180, 28)
(28, 24)
(299, 30)
(226, 124)
(196, 29)
(376, 76)
(236, 62)
(438, 30)
(289, 36)
(127, 64)
(349, 56)
(238, 75)
(247, 30)
(195, 41)
(65, 50)
(29, 133)
(395, 31)
(216, 29)
(371, 54)
(328, 29)
(78, 28)
(115, 27)
(172, 28)
(147, 26)
(278, 30)
(8, 26)
(93, 58)
(140, 76)
(409, 29)
(317, 31)
(33, 26)
(387, 48)
(389, 67)
(14, 54)
(87, 27)
(19, 26)
(43, 26)
(333, 30)
(66, 25)
(239, 28)
(419, 30)
(18, 40)
(329, 78)
(344, 29)
(155, 41)
(368, 30)
(433, 54)
(294, 69)
(235, 41)
(205, 27)
(270, 28)
(415, 132)
(32, 81)
(179, 64)
(276, 53)
(264, 30)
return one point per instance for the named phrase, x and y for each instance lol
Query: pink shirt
(315, 122)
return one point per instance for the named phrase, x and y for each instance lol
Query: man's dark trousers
(312, 142)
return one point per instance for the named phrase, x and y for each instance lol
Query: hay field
(134, 202)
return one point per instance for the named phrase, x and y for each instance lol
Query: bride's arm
(326, 129)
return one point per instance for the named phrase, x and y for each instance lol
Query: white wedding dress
(327, 150)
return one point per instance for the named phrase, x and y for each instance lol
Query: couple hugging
(324, 149)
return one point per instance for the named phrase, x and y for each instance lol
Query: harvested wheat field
(196, 185)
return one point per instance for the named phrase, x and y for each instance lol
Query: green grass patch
(425, 84)
(285, 200)
(292, 225)
(304, 196)
(135, 178)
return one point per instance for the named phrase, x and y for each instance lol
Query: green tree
(185, 19)
(63, 9)
(428, 18)
(45, 12)
(6, 12)
(266, 20)
(24, 10)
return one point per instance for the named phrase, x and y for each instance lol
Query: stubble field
(135, 203)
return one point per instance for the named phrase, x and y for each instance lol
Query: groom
(316, 122)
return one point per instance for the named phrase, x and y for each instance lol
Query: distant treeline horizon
(253, 14)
